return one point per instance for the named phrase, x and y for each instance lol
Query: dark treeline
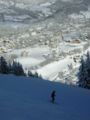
(14, 68)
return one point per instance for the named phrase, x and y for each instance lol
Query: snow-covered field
(24, 98)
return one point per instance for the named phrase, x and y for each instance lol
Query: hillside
(24, 98)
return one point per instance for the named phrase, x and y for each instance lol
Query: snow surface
(24, 98)
(39, 59)
(51, 70)
(29, 62)
(31, 56)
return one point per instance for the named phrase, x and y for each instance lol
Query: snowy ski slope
(24, 98)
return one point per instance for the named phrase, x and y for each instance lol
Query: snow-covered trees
(84, 72)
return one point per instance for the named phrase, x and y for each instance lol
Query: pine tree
(10, 67)
(82, 75)
(88, 70)
(17, 69)
(88, 61)
(84, 72)
(30, 73)
(3, 66)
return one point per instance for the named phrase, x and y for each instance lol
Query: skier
(53, 94)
